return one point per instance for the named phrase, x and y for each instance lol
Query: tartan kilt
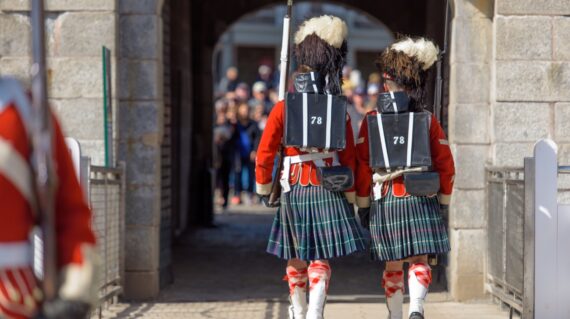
(315, 224)
(402, 227)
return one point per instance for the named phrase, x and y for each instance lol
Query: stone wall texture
(76, 32)
(510, 86)
(141, 114)
(470, 118)
(531, 77)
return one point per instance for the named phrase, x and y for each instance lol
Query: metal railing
(511, 235)
(106, 191)
(505, 235)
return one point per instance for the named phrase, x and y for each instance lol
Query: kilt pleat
(314, 224)
(402, 227)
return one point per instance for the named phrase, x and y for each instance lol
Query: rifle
(275, 195)
(438, 96)
(42, 164)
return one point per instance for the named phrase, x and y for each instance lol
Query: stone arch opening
(196, 29)
(211, 19)
(254, 41)
(263, 29)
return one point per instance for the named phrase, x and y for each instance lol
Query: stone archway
(256, 38)
(469, 66)
(143, 77)
(198, 26)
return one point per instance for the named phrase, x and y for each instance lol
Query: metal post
(504, 227)
(106, 231)
(546, 219)
(563, 275)
(528, 255)
(123, 168)
(108, 108)
(563, 255)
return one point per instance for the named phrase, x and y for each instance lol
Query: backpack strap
(13, 93)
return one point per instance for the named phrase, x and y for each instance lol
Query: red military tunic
(442, 162)
(75, 239)
(303, 173)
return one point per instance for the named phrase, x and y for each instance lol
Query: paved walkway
(278, 310)
(223, 272)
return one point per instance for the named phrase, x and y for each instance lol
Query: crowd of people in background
(241, 111)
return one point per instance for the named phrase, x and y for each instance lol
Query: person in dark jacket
(246, 138)
(224, 149)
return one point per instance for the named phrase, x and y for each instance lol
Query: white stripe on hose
(6, 300)
(305, 121)
(329, 124)
(8, 285)
(394, 102)
(383, 141)
(410, 139)
(23, 287)
(29, 277)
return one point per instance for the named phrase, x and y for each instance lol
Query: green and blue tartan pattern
(316, 224)
(402, 227)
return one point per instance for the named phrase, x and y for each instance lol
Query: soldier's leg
(419, 279)
(319, 277)
(393, 284)
(298, 281)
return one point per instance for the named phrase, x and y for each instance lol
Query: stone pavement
(224, 272)
(278, 310)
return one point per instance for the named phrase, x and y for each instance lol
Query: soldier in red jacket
(405, 228)
(313, 224)
(20, 295)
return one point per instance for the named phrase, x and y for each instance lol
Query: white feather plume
(425, 51)
(329, 28)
